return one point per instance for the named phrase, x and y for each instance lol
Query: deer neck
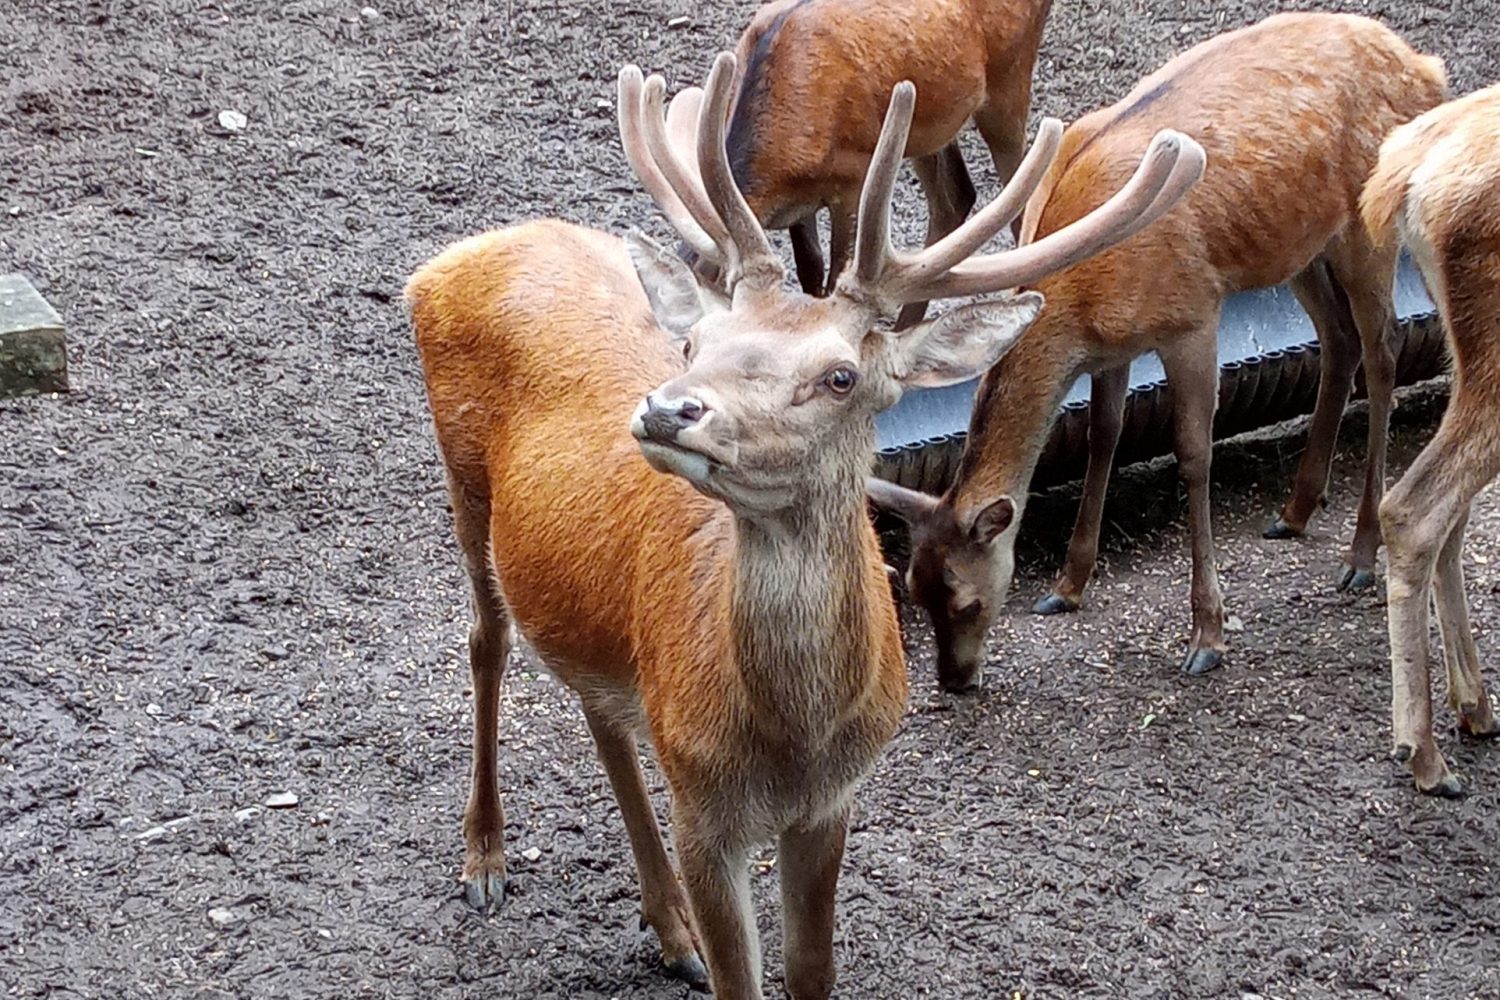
(1013, 413)
(799, 607)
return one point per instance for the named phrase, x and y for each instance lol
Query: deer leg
(718, 884)
(1001, 121)
(1365, 274)
(950, 198)
(1339, 340)
(664, 905)
(489, 646)
(1193, 374)
(1106, 418)
(1466, 694)
(807, 255)
(841, 222)
(809, 858)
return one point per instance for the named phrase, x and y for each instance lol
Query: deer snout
(660, 419)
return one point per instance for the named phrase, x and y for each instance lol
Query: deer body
(735, 609)
(815, 81)
(1437, 186)
(1280, 203)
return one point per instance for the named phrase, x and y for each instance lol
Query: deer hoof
(1055, 604)
(690, 969)
(1201, 661)
(1448, 787)
(1352, 578)
(485, 890)
(1280, 529)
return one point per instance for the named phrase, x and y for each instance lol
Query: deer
(815, 76)
(1291, 111)
(659, 484)
(1434, 189)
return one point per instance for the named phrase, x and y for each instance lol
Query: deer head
(779, 390)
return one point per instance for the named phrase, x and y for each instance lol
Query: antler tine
(872, 248)
(684, 184)
(747, 238)
(638, 153)
(1172, 165)
(960, 244)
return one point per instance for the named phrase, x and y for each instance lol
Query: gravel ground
(226, 573)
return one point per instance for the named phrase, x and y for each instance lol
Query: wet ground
(226, 574)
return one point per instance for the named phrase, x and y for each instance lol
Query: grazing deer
(1291, 112)
(737, 611)
(1437, 185)
(816, 75)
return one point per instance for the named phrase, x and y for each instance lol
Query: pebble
(282, 800)
(223, 916)
(275, 652)
(1234, 624)
(681, 21)
(247, 814)
(369, 13)
(233, 121)
(532, 854)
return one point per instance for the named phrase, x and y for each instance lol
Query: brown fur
(819, 74)
(767, 668)
(1291, 112)
(1437, 184)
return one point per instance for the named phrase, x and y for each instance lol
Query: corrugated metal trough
(1268, 372)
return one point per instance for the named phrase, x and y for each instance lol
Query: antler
(1173, 163)
(706, 207)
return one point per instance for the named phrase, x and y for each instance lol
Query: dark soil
(226, 572)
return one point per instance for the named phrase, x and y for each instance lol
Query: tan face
(779, 390)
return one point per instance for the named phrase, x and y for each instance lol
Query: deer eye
(840, 381)
(687, 348)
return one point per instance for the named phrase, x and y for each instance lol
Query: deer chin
(694, 466)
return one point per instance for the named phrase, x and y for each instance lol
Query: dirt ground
(226, 573)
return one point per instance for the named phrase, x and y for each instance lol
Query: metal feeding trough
(1268, 372)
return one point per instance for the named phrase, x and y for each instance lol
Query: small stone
(369, 13)
(1234, 624)
(152, 708)
(532, 854)
(223, 916)
(1297, 718)
(247, 814)
(324, 932)
(681, 21)
(274, 652)
(232, 121)
(282, 800)
(155, 833)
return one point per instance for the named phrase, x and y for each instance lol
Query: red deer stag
(736, 611)
(815, 78)
(1291, 112)
(1437, 185)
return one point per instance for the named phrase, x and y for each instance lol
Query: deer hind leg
(489, 646)
(1108, 390)
(1466, 693)
(664, 905)
(1340, 350)
(1001, 121)
(950, 198)
(1193, 374)
(810, 857)
(1365, 274)
(807, 255)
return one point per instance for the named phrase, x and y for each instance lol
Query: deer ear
(909, 505)
(677, 299)
(992, 520)
(964, 342)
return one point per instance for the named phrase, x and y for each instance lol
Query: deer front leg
(664, 906)
(1339, 358)
(1365, 275)
(718, 884)
(809, 858)
(950, 197)
(1106, 418)
(807, 255)
(1193, 375)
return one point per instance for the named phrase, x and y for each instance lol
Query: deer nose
(662, 419)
